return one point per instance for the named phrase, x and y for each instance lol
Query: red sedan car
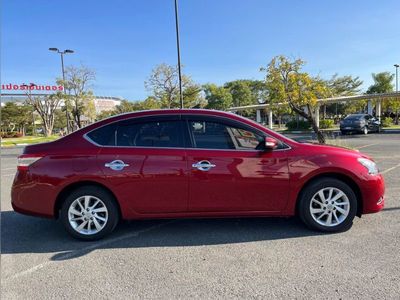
(191, 163)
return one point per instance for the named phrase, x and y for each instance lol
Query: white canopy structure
(369, 97)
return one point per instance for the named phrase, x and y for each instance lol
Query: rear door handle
(203, 165)
(116, 165)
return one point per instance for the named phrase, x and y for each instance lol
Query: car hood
(338, 150)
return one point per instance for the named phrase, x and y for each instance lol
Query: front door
(229, 174)
(146, 166)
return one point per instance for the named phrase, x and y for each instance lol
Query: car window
(214, 135)
(150, 134)
(104, 136)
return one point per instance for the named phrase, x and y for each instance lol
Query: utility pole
(179, 53)
(397, 79)
(63, 77)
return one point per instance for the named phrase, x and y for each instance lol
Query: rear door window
(158, 134)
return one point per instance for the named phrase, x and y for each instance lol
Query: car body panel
(161, 183)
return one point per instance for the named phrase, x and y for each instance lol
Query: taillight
(26, 160)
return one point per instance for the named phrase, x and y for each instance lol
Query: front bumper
(373, 194)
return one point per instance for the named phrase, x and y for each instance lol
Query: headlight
(369, 165)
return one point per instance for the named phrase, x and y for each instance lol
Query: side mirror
(270, 143)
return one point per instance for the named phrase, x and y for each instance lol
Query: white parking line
(365, 146)
(390, 169)
(8, 174)
(9, 169)
(87, 249)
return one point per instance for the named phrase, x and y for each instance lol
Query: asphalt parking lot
(219, 258)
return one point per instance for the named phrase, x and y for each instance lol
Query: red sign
(36, 87)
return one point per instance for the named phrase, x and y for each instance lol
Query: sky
(221, 40)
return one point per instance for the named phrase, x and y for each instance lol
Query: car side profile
(360, 123)
(191, 163)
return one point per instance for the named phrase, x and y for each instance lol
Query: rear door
(145, 162)
(228, 173)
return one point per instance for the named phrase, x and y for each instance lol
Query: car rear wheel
(89, 213)
(365, 130)
(328, 205)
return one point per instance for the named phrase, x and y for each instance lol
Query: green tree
(241, 92)
(383, 84)
(60, 119)
(344, 86)
(287, 82)
(15, 116)
(217, 97)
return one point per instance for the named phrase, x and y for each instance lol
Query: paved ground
(234, 258)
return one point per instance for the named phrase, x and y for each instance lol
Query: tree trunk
(397, 117)
(320, 135)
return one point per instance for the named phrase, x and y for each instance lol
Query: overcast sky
(221, 40)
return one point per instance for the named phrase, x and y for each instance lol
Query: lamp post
(179, 52)
(397, 82)
(29, 94)
(66, 51)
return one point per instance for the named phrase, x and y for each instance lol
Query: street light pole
(179, 52)
(397, 81)
(63, 76)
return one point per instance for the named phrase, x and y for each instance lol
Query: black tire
(304, 207)
(107, 199)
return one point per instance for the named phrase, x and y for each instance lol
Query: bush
(324, 124)
(387, 122)
(301, 125)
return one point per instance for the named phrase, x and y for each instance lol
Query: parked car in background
(359, 123)
(191, 163)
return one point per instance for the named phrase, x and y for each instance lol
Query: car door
(145, 163)
(228, 173)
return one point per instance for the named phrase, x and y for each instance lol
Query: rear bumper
(31, 196)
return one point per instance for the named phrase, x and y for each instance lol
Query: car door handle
(116, 165)
(203, 165)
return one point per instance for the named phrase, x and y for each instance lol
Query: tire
(93, 205)
(365, 130)
(316, 216)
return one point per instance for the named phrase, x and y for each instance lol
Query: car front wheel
(328, 205)
(89, 213)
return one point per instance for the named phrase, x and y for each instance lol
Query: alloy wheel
(88, 215)
(329, 206)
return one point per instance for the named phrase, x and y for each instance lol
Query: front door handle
(116, 165)
(203, 165)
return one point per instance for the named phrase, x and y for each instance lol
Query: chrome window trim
(182, 116)
(180, 148)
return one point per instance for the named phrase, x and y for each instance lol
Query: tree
(16, 116)
(383, 84)
(344, 86)
(80, 98)
(217, 97)
(46, 106)
(241, 92)
(298, 89)
(163, 83)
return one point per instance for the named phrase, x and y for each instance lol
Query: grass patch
(9, 142)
